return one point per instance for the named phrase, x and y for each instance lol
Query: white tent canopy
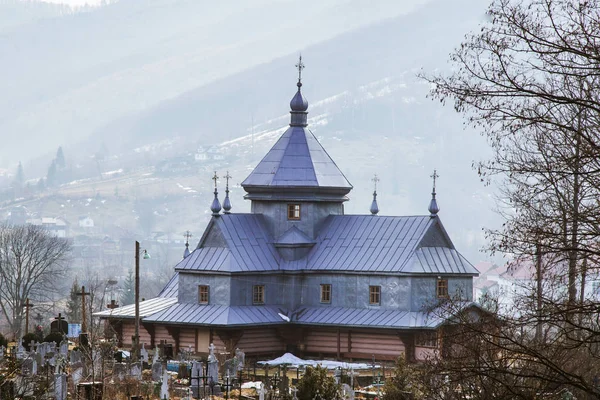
(291, 360)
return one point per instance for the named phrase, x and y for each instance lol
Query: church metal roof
(348, 243)
(211, 314)
(297, 160)
(147, 307)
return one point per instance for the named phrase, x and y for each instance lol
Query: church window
(375, 295)
(426, 339)
(326, 293)
(294, 211)
(258, 294)
(442, 288)
(203, 294)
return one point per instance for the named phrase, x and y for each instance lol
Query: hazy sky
(74, 3)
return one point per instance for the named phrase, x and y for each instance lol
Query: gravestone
(119, 370)
(197, 379)
(27, 366)
(75, 356)
(34, 366)
(230, 367)
(60, 386)
(164, 387)
(347, 392)
(144, 353)
(156, 371)
(64, 347)
(59, 325)
(136, 371)
(261, 392)
(213, 366)
(20, 350)
(155, 357)
(76, 373)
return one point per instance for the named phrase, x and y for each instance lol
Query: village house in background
(298, 275)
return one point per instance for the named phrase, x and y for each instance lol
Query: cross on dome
(215, 178)
(375, 179)
(434, 176)
(300, 67)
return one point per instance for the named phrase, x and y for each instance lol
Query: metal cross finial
(215, 178)
(300, 67)
(434, 176)
(375, 180)
(187, 235)
(227, 177)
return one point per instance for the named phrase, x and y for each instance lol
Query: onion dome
(433, 206)
(227, 202)
(374, 207)
(186, 252)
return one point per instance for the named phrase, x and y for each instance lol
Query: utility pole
(83, 318)
(28, 305)
(136, 340)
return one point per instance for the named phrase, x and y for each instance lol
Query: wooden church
(298, 275)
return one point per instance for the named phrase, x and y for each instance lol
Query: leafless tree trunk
(32, 261)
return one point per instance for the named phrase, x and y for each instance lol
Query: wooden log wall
(187, 339)
(326, 341)
(386, 345)
(260, 341)
(129, 331)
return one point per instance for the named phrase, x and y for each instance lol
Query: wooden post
(136, 341)
(28, 305)
(83, 319)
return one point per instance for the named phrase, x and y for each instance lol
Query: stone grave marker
(164, 387)
(144, 353)
(60, 386)
(156, 371)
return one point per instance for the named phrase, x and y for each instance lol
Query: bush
(403, 384)
(55, 337)
(316, 379)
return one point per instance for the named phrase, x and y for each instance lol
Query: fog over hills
(73, 73)
(153, 83)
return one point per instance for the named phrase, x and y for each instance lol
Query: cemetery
(96, 369)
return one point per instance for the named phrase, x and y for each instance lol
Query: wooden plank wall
(161, 333)
(260, 341)
(325, 341)
(129, 331)
(378, 343)
(187, 337)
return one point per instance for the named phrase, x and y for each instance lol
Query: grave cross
(204, 377)
(275, 380)
(83, 319)
(27, 306)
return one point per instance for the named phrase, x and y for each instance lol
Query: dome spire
(374, 207)
(433, 207)
(187, 236)
(227, 202)
(299, 104)
(215, 207)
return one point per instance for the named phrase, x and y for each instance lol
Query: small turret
(227, 202)
(374, 207)
(433, 207)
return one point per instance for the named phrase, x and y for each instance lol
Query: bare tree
(32, 261)
(528, 80)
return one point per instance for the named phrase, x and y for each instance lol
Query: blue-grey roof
(349, 243)
(172, 288)
(147, 307)
(379, 318)
(297, 160)
(294, 237)
(199, 314)
(366, 317)
(244, 244)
